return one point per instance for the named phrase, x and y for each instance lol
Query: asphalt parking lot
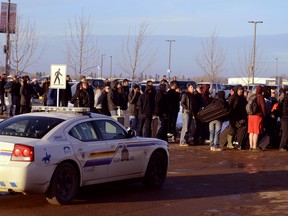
(199, 182)
(231, 182)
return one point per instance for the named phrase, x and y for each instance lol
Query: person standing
(255, 121)
(237, 115)
(45, 89)
(26, 95)
(15, 94)
(188, 103)
(2, 92)
(146, 106)
(133, 109)
(199, 131)
(173, 96)
(65, 94)
(114, 101)
(8, 88)
(284, 122)
(104, 101)
(161, 111)
(216, 125)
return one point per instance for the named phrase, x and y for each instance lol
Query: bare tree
(245, 65)
(212, 60)
(137, 58)
(23, 45)
(81, 49)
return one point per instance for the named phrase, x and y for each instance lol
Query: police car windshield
(28, 126)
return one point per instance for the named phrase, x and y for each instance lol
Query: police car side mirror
(131, 133)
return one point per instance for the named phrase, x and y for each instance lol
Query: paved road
(199, 182)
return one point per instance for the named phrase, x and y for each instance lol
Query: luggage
(213, 111)
(264, 142)
(223, 137)
(241, 137)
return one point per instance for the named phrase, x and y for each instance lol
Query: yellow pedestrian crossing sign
(58, 76)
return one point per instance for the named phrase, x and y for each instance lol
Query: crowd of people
(147, 105)
(244, 130)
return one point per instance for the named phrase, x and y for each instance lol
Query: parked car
(183, 84)
(57, 150)
(215, 87)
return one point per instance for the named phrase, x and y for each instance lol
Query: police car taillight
(22, 153)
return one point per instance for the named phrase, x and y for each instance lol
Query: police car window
(84, 132)
(110, 130)
(28, 126)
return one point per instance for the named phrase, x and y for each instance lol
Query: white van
(215, 87)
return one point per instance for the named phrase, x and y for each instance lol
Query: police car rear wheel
(156, 170)
(63, 186)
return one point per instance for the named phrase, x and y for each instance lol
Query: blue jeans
(188, 127)
(215, 129)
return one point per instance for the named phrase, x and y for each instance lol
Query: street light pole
(254, 49)
(7, 62)
(110, 67)
(277, 80)
(169, 63)
(102, 65)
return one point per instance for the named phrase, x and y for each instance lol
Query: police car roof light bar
(60, 109)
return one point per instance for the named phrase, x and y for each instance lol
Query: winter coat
(146, 103)
(188, 102)
(174, 100)
(284, 108)
(26, 94)
(161, 104)
(237, 105)
(133, 99)
(113, 98)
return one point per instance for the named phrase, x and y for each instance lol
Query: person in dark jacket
(65, 94)
(162, 112)
(81, 98)
(2, 92)
(199, 131)
(52, 97)
(284, 122)
(133, 109)
(114, 100)
(125, 94)
(206, 100)
(237, 115)
(146, 106)
(104, 101)
(188, 103)
(15, 94)
(45, 88)
(26, 95)
(174, 97)
(216, 125)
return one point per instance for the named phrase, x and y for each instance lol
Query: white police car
(56, 152)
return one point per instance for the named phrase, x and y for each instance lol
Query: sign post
(58, 78)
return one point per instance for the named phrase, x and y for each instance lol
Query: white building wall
(244, 80)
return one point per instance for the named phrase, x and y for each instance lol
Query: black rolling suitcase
(223, 137)
(241, 137)
(213, 111)
(264, 142)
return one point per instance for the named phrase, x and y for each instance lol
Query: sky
(189, 18)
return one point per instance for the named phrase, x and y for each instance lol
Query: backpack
(252, 106)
